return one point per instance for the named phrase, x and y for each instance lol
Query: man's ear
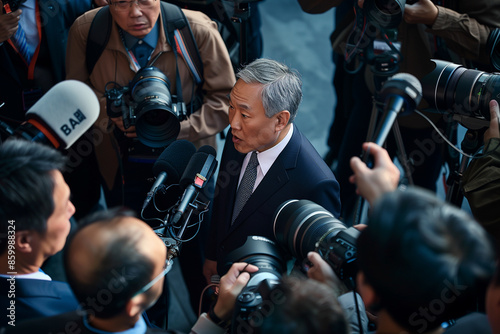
(135, 306)
(366, 290)
(25, 241)
(282, 119)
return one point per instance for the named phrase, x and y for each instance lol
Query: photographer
(137, 39)
(453, 30)
(481, 180)
(421, 262)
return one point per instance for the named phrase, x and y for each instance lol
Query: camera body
(11, 5)
(146, 103)
(301, 226)
(256, 298)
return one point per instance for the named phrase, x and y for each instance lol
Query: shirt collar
(150, 39)
(266, 158)
(139, 327)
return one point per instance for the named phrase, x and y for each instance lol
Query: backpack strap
(100, 30)
(179, 33)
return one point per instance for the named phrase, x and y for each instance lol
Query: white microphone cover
(66, 111)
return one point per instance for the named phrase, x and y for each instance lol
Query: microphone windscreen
(174, 159)
(404, 85)
(65, 112)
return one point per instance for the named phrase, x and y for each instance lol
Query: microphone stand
(382, 70)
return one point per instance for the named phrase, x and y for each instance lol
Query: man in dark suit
(35, 210)
(116, 265)
(263, 104)
(45, 25)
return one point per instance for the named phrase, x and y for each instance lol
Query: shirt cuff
(206, 326)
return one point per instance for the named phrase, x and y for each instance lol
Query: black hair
(304, 306)
(121, 272)
(424, 258)
(26, 185)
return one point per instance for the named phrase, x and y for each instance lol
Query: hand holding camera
(9, 20)
(493, 131)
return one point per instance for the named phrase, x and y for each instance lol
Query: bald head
(110, 258)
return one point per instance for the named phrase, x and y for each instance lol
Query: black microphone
(61, 116)
(200, 169)
(170, 165)
(402, 93)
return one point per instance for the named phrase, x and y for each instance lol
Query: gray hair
(282, 85)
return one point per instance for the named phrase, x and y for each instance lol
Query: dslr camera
(256, 301)
(11, 5)
(146, 103)
(301, 226)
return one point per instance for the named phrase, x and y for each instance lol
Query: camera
(146, 103)
(12, 5)
(466, 93)
(301, 226)
(384, 14)
(256, 300)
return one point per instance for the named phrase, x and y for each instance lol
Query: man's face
(58, 225)
(137, 21)
(252, 130)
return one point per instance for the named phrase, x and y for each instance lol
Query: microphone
(170, 165)
(200, 169)
(402, 93)
(61, 116)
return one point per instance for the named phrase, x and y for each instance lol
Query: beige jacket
(114, 65)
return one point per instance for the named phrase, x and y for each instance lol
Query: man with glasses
(115, 265)
(137, 40)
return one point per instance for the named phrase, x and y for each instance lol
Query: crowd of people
(77, 255)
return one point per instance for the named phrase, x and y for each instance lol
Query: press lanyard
(133, 59)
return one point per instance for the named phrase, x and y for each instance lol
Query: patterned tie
(22, 45)
(246, 186)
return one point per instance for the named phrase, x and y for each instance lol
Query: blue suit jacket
(35, 298)
(299, 172)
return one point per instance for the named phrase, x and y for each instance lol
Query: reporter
(116, 265)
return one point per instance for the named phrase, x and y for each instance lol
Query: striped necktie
(21, 44)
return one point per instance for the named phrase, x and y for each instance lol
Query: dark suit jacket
(35, 298)
(56, 17)
(298, 173)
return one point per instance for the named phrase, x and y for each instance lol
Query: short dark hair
(121, 272)
(308, 307)
(423, 255)
(26, 185)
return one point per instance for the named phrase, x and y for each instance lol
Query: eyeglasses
(122, 5)
(168, 267)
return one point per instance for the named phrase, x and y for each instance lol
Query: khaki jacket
(114, 65)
